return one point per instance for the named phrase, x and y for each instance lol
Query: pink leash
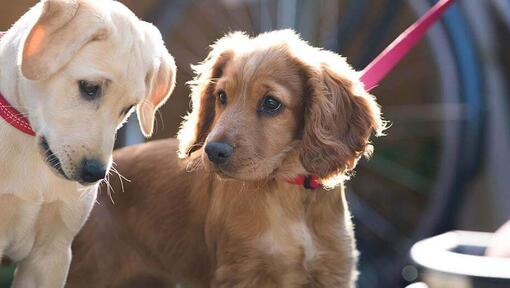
(385, 62)
(389, 58)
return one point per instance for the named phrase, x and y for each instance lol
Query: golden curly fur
(183, 219)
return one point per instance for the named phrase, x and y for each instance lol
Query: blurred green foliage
(6, 275)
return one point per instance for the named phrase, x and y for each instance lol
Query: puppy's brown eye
(88, 90)
(270, 105)
(222, 97)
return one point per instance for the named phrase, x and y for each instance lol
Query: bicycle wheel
(414, 185)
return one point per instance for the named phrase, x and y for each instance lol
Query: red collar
(13, 116)
(385, 62)
(307, 181)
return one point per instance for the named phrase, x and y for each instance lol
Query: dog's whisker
(121, 177)
(193, 164)
(108, 184)
(200, 144)
(84, 191)
(112, 172)
(109, 188)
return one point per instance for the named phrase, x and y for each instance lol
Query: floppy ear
(160, 83)
(340, 118)
(197, 124)
(63, 28)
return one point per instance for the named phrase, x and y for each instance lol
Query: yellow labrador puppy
(76, 68)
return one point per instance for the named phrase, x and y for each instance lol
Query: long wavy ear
(63, 28)
(197, 124)
(340, 118)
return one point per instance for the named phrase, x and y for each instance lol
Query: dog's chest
(293, 241)
(27, 224)
(34, 201)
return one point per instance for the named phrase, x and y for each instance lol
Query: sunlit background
(444, 164)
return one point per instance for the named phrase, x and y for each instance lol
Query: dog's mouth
(222, 173)
(51, 159)
(230, 171)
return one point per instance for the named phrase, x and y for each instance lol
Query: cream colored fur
(42, 58)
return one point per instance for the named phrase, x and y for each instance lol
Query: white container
(456, 260)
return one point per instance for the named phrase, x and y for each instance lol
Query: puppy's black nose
(92, 171)
(218, 152)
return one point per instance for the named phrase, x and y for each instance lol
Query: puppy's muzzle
(219, 152)
(92, 171)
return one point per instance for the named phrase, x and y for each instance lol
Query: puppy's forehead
(124, 57)
(102, 62)
(273, 64)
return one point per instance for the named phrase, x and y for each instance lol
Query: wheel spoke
(426, 112)
(398, 173)
(375, 222)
